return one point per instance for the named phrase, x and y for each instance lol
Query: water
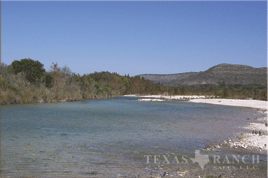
(106, 138)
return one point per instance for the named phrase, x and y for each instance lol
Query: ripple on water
(111, 136)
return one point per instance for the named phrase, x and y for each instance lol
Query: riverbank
(258, 137)
(166, 97)
(234, 102)
(39, 99)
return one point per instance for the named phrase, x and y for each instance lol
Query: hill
(230, 74)
(167, 78)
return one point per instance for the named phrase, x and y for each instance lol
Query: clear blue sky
(135, 37)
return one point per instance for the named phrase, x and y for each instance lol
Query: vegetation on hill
(167, 79)
(231, 74)
(223, 80)
(26, 81)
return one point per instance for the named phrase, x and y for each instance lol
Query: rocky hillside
(227, 73)
(167, 78)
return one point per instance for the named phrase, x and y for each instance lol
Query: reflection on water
(108, 137)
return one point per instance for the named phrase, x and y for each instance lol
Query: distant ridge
(167, 78)
(227, 73)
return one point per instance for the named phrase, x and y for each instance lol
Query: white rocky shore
(257, 140)
(234, 102)
(166, 97)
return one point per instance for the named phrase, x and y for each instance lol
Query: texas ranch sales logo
(202, 160)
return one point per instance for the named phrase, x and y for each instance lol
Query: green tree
(58, 82)
(182, 90)
(48, 79)
(176, 91)
(33, 69)
(225, 93)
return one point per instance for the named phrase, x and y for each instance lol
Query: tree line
(26, 81)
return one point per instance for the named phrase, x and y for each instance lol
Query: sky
(135, 37)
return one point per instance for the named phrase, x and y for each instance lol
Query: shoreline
(259, 137)
(255, 140)
(166, 97)
(258, 104)
(65, 100)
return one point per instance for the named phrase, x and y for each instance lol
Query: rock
(212, 147)
(165, 174)
(40, 100)
(217, 146)
(207, 149)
